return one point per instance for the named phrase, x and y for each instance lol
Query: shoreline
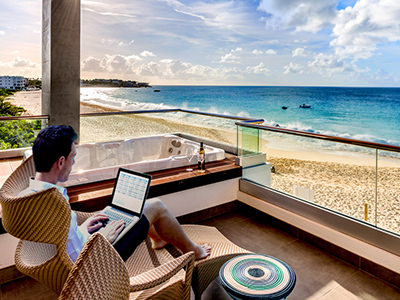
(31, 101)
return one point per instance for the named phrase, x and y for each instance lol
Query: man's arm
(98, 222)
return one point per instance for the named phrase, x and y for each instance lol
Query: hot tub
(100, 161)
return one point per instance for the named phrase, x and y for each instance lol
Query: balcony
(336, 251)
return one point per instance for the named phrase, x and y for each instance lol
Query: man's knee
(154, 208)
(155, 204)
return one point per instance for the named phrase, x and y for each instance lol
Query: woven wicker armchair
(41, 221)
(37, 256)
(222, 249)
(100, 273)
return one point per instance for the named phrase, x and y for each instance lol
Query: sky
(220, 42)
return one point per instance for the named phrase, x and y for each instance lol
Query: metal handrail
(10, 118)
(322, 137)
(165, 111)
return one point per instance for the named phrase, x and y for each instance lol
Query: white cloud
(259, 69)
(147, 54)
(148, 69)
(293, 68)
(230, 15)
(164, 70)
(92, 64)
(19, 62)
(303, 15)
(114, 42)
(166, 61)
(257, 52)
(322, 60)
(268, 52)
(108, 13)
(124, 44)
(231, 57)
(117, 64)
(360, 29)
(298, 52)
(327, 64)
(91, 3)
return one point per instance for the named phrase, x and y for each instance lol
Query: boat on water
(304, 106)
(156, 91)
(284, 107)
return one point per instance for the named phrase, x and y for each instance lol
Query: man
(54, 154)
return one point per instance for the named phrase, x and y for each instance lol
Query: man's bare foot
(158, 244)
(202, 251)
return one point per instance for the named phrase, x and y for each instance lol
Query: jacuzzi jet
(176, 143)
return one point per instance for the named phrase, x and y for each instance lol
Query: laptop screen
(131, 190)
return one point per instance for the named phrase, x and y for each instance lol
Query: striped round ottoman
(257, 276)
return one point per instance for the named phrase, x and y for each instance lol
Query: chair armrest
(163, 273)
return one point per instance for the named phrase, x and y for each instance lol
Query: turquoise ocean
(369, 114)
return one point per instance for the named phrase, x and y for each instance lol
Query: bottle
(201, 163)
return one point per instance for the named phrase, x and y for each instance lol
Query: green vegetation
(6, 108)
(35, 82)
(15, 133)
(113, 83)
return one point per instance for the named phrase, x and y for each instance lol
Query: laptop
(129, 195)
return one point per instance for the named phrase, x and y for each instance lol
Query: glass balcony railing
(99, 127)
(355, 178)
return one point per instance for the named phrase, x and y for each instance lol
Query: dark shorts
(137, 234)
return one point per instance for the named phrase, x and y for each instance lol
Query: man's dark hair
(50, 144)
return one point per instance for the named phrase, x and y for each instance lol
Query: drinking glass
(191, 152)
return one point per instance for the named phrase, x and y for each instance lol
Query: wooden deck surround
(97, 195)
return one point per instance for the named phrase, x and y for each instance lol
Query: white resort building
(13, 82)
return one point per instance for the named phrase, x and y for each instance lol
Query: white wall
(196, 199)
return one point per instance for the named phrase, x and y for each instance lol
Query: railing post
(376, 187)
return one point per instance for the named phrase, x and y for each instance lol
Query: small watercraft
(304, 106)
(284, 107)
(157, 91)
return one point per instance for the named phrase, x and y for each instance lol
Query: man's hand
(112, 230)
(95, 223)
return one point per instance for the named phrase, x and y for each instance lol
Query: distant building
(13, 82)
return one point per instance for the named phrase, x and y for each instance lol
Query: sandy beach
(341, 182)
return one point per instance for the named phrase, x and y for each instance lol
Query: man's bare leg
(156, 241)
(164, 226)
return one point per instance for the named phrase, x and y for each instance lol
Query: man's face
(67, 166)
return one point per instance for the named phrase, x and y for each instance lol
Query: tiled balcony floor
(319, 275)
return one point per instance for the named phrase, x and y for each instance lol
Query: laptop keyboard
(112, 214)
